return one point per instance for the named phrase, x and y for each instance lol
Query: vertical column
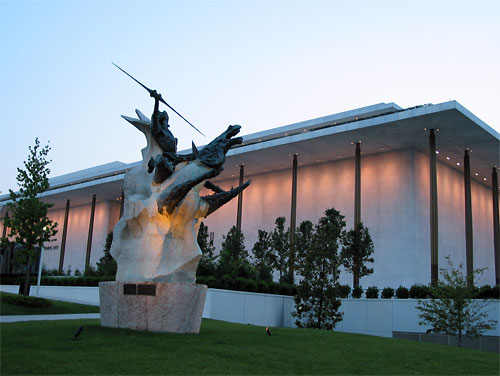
(91, 231)
(63, 240)
(240, 199)
(433, 208)
(496, 230)
(122, 203)
(468, 218)
(357, 200)
(293, 217)
(5, 260)
(357, 186)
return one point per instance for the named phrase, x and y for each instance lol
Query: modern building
(423, 180)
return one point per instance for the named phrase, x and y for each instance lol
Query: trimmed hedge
(416, 291)
(246, 284)
(344, 291)
(387, 293)
(56, 281)
(420, 292)
(402, 293)
(372, 292)
(357, 292)
(487, 292)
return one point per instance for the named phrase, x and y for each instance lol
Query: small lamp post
(40, 269)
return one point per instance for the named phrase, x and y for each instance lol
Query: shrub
(419, 292)
(226, 282)
(357, 292)
(200, 279)
(286, 289)
(274, 288)
(496, 292)
(49, 272)
(240, 284)
(263, 286)
(211, 282)
(344, 291)
(387, 293)
(486, 292)
(452, 310)
(372, 292)
(26, 301)
(402, 293)
(250, 285)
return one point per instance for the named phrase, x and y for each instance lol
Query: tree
(317, 299)
(28, 223)
(280, 250)
(356, 251)
(107, 264)
(206, 266)
(261, 255)
(303, 241)
(233, 256)
(451, 309)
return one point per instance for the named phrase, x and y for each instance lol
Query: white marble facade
(394, 206)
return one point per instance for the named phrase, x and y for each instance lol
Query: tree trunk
(27, 280)
(320, 312)
(460, 327)
(355, 279)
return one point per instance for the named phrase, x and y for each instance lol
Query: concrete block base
(152, 306)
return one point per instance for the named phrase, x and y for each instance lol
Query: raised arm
(154, 118)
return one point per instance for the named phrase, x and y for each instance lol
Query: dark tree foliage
(106, 266)
(356, 251)
(261, 256)
(280, 250)
(233, 258)
(206, 266)
(317, 299)
(303, 240)
(451, 310)
(28, 222)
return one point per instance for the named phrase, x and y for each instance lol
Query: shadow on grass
(57, 307)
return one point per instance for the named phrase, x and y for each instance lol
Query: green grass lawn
(41, 348)
(58, 306)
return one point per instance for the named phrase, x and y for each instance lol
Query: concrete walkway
(73, 316)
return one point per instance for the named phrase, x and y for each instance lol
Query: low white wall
(75, 294)
(249, 308)
(13, 289)
(379, 317)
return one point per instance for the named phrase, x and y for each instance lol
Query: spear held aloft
(161, 99)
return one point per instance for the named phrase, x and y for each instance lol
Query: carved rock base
(152, 306)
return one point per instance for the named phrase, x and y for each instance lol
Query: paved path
(73, 316)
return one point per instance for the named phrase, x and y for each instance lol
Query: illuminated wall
(394, 206)
(105, 217)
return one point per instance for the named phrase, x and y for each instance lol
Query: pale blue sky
(260, 64)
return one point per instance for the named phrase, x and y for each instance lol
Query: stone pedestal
(153, 306)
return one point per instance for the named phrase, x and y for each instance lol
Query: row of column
(469, 254)
(65, 231)
(89, 236)
(433, 220)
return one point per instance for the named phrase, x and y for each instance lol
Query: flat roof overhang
(457, 129)
(380, 128)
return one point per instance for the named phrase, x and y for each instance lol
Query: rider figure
(159, 130)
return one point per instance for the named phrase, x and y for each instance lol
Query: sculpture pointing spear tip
(154, 240)
(159, 98)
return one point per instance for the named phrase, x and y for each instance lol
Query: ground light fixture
(77, 333)
(268, 331)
